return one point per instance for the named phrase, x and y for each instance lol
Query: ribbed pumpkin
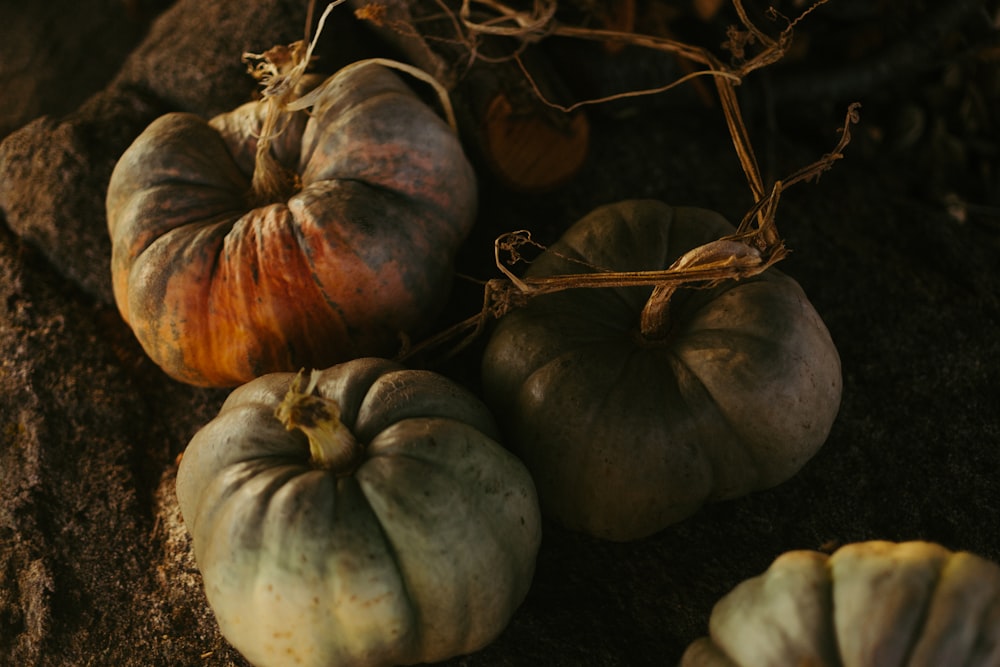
(626, 430)
(870, 604)
(367, 518)
(220, 287)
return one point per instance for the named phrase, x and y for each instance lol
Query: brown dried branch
(540, 22)
(756, 245)
(765, 207)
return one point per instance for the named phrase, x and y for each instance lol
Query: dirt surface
(896, 247)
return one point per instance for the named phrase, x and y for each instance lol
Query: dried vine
(754, 247)
(748, 252)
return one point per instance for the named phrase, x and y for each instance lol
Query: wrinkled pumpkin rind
(219, 291)
(423, 553)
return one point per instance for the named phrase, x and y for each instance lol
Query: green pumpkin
(397, 531)
(627, 432)
(870, 604)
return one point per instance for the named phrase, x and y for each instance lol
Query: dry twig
(754, 247)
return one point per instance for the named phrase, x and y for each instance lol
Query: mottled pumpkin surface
(220, 288)
(420, 549)
(896, 248)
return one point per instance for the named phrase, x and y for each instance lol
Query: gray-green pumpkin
(870, 604)
(398, 531)
(626, 432)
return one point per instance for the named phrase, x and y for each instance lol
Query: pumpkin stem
(271, 181)
(279, 69)
(654, 321)
(332, 446)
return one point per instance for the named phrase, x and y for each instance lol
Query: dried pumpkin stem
(280, 70)
(332, 446)
(271, 182)
(654, 321)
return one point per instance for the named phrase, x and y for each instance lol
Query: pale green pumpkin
(870, 604)
(626, 433)
(399, 531)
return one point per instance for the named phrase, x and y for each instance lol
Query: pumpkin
(630, 422)
(221, 286)
(870, 604)
(368, 518)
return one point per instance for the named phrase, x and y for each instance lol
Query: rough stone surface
(189, 61)
(896, 247)
(57, 53)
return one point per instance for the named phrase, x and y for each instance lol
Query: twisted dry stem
(654, 321)
(755, 246)
(332, 446)
(280, 70)
(752, 249)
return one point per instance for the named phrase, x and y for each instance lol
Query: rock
(57, 54)
(54, 171)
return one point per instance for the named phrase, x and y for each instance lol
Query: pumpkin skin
(420, 553)
(870, 604)
(625, 436)
(220, 289)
